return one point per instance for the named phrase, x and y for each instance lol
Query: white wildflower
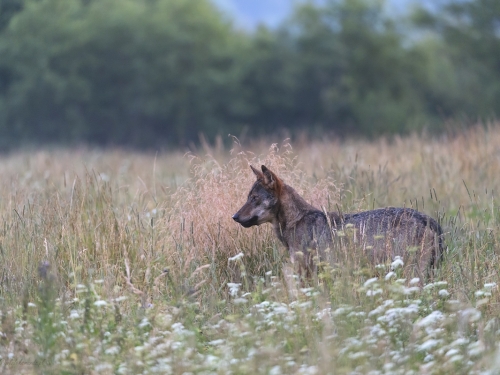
(431, 319)
(240, 301)
(429, 286)
(122, 369)
(357, 355)
(276, 370)
(161, 367)
(388, 366)
(428, 367)
(398, 262)
(307, 291)
(374, 292)
(377, 331)
(342, 311)
(100, 303)
(460, 342)
(443, 293)
(369, 282)
(176, 345)
(380, 309)
(428, 358)
(475, 349)
(236, 257)
(305, 305)
(389, 276)
(144, 323)
(452, 352)
(103, 367)
(356, 314)
(411, 290)
(489, 286)
(216, 342)
(308, 370)
(160, 350)
(471, 314)
(211, 360)
(104, 177)
(234, 288)
(325, 313)
(179, 329)
(281, 310)
(113, 350)
(457, 358)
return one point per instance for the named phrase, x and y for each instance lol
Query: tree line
(154, 73)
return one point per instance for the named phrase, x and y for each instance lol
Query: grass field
(115, 262)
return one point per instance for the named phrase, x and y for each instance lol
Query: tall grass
(115, 262)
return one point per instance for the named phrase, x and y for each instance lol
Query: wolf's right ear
(259, 174)
(271, 180)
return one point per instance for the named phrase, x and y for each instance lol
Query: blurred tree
(148, 73)
(266, 82)
(469, 32)
(355, 73)
(140, 72)
(7, 10)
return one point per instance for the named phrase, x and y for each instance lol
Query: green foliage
(469, 46)
(8, 8)
(115, 71)
(378, 82)
(151, 73)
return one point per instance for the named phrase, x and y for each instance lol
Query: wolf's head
(263, 199)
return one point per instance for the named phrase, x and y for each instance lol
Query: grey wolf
(381, 234)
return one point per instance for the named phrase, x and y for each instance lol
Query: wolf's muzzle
(245, 223)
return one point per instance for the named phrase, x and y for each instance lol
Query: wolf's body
(380, 234)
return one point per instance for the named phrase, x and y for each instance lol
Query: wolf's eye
(253, 198)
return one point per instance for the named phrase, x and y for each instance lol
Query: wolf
(380, 234)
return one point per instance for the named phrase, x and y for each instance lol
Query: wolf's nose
(235, 217)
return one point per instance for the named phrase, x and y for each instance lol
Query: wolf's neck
(292, 209)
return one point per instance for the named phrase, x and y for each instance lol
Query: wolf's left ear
(270, 179)
(257, 173)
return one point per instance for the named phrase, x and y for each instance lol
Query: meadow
(115, 262)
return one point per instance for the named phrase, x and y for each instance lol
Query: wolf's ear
(271, 180)
(257, 173)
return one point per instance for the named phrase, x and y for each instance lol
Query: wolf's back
(391, 231)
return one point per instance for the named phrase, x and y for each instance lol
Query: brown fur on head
(268, 179)
(263, 199)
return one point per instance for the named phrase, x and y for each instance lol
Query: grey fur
(381, 234)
